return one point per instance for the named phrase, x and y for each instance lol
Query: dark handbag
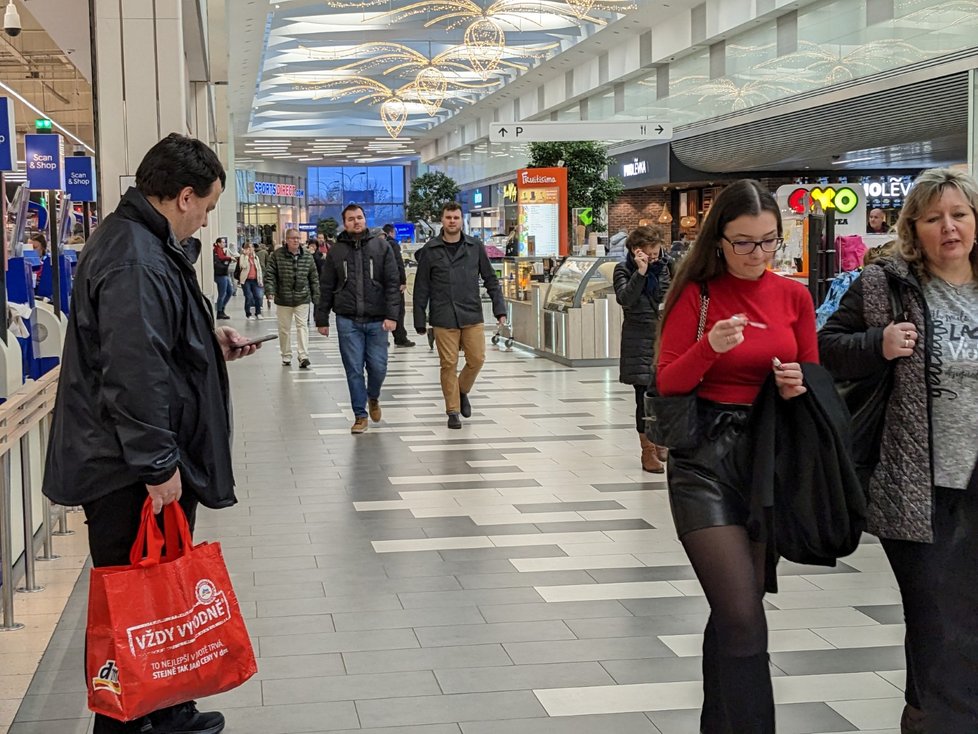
(673, 421)
(866, 399)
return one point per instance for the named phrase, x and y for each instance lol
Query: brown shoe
(373, 407)
(650, 462)
(359, 425)
(912, 721)
(663, 453)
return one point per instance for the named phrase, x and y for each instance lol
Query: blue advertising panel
(308, 228)
(80, 178)
(8, 136)
(45, 155)
(404, 232)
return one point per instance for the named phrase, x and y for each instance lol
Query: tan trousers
(300, 316)
(471, 340)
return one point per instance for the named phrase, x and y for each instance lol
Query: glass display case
(579, 281)
(519, 272)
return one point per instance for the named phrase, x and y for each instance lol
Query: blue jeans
(252, 293)
(362, 345)
(224, 290)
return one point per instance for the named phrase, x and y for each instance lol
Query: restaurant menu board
(542, 198)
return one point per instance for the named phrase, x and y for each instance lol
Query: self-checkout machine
(14, 220)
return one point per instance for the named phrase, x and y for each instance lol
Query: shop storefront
(268, 204)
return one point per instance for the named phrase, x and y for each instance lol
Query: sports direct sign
(267, 188)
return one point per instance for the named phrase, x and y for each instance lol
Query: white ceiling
(293, 63)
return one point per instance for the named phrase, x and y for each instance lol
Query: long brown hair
(705, 261)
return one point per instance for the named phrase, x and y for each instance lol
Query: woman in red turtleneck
(754, 317)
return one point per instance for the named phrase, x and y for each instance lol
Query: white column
(973, 122)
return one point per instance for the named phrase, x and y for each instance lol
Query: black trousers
(951, 703)
(400, 333)
(640, 407)
(919, 569)
(113, 522)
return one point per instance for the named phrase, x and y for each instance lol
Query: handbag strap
(148, 548)
(704, 307)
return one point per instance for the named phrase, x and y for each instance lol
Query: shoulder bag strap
(704, 307)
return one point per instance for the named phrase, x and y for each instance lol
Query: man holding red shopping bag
(143, 419)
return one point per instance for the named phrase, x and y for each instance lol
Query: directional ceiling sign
(548, 131)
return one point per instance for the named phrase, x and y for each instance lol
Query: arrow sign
(529, 132)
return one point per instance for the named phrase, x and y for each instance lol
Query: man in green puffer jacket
(291, 280)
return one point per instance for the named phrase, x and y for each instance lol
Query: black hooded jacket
(359, 280)
(144, 387)
(641, 311)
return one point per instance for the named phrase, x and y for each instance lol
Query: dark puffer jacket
(901, 490)
(360, 280)
(291, 280)
(144, 388)
(448, 280)
(641, 317)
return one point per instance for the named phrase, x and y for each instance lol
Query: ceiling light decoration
(431, 85)
(485, 42)
(581, 8)
(393, 113)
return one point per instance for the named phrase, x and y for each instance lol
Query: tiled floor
(520, 576)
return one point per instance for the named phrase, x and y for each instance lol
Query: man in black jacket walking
(360, 282)
(143, 400)
(448, 279)
(400, 333)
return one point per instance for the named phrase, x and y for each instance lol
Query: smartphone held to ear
(253, 342)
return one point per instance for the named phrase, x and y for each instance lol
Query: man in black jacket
(142, 406)
(448, 279)
(400, 333)
(360, 282)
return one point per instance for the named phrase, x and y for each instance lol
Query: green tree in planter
(429, 193)
(586, 163)
(328, 227)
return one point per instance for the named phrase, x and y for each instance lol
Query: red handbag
(166, 629)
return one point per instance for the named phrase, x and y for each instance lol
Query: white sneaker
(259, 317)
(249, 318)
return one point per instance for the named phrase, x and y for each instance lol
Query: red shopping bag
(166, 629)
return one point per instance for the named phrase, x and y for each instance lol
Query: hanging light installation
(431, 85)
(393, 113)
(485, 43)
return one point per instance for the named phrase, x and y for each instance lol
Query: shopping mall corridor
(520, 576)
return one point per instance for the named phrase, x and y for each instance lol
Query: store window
(378, 189)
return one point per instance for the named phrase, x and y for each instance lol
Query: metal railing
(24, 411)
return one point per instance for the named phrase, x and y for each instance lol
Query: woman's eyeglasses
(746, 247)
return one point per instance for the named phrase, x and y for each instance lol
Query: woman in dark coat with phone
(641, 280)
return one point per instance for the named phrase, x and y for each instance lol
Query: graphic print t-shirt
(954, 380)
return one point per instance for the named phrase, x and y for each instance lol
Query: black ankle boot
(713, 718)
(747, 693)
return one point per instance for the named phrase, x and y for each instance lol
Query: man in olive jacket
(292, 281)
(143, 399)
(361, 284)
(448, 280)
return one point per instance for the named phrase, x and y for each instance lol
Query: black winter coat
(448, 281)
(398, 258)
(638, 330)
(144, 387)
(359, 280)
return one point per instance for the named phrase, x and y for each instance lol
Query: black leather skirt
(709, 485)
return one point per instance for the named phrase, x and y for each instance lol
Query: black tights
(736, 677)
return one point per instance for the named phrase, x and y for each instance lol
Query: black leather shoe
(304, 364)
(186, 719)
(466, 406)
(405, 343)
(454, 421)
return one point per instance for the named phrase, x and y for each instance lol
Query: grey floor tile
(553, 610)
(657, 670)
(328, 605)
(515, 579)
(312, 665)
(431, 658)
(489, 633)
(884, 613)
(293, 719)
(602, 724)
(473, 597)
(631, 486)
(569, 506)
(666, 606)
(272, 626)
(53, 706)
(637, 626)
(337, 642)
(520, 551)
(423, 729)
(522, 677)
(408, 618)
(856, 660)
(445, 568)
(348, 688)
(654, 573)
(448, 708)
(527, 653)
(60, 726)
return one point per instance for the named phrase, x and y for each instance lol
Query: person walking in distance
(641, 281)
(361, 284)
(448, 281)
(292, 282)
(222, 277)
(143, 401)
(400, 333)
(250, 277)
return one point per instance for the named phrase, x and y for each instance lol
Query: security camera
(11, 20)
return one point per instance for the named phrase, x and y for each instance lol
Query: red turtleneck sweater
(736, 376)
